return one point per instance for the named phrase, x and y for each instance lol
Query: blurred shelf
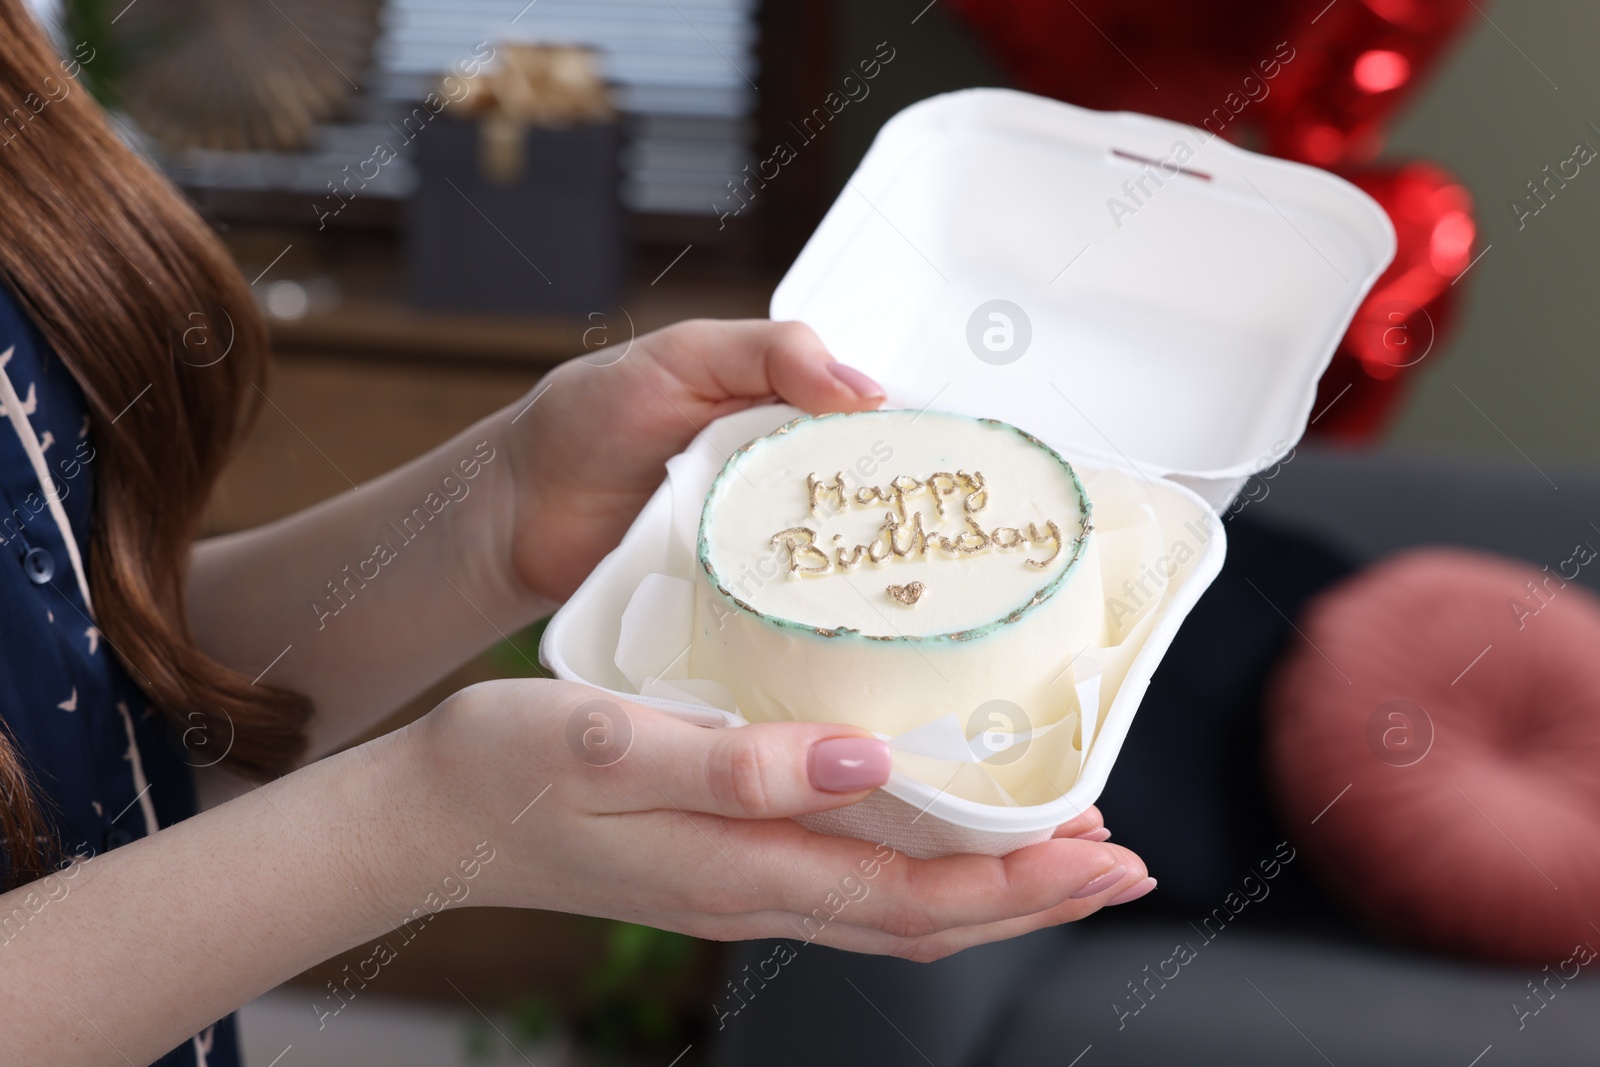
(364, 327)
(387, 327)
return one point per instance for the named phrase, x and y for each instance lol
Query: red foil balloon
(1358, 63)
(1412, 307)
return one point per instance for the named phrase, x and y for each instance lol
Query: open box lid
(1129, 289)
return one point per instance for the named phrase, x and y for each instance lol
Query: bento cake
(886, 568)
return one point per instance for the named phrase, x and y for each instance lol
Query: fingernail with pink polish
(1133, 892)
(1102, 883)
(848, 764)
(856, 382)
(1099, 833)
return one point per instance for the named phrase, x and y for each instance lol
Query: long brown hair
(139, 299)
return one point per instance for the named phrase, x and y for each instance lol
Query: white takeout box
(1183, 297)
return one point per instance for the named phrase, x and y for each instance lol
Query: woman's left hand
(591, 448)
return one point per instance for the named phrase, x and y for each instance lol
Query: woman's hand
(599, 807)
(589, 451)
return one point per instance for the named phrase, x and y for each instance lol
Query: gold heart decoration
(907, 594)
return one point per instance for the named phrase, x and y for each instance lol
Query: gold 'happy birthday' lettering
(902, 535)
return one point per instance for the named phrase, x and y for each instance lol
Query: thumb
(756, 358)
(761, 771)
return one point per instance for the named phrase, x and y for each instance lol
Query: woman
(133, 359)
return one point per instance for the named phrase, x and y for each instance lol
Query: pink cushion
(1485, 840)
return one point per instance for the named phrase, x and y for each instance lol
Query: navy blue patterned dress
(107, 767)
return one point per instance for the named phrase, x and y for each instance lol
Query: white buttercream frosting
(891, 568)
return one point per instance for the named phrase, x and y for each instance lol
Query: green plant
(624, 1007)
(532, 1019)
(518, 655)
(93, 23)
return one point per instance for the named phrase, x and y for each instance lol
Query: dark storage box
(550, 241)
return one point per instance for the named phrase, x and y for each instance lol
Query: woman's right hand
(601, 807)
